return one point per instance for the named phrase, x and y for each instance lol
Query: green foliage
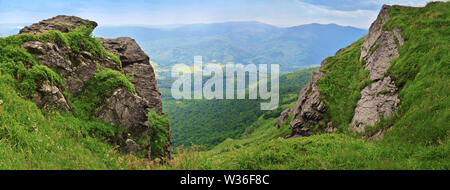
(159, 126)
(35, 139)
(81, 39)
(94, 91)
(16, 61)
(422, 71)
(30, 139)
(209, 122)
(325, 152)
(340, 87)
(416, 137)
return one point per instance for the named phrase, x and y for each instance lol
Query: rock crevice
(379, 99)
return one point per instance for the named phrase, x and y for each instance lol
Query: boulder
(283, 116)
(127, 109)
(61, 23)
(121, 107)
(126, 49)
(309, 108)
(74, 69)
(137, 64)
(381, 97)
(50, 97)
(144, 80)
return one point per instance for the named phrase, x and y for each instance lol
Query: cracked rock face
(126, 49)
(375, 31)
(124, 108)
(49, 96)
(136, 63)
(379, 99)
(120, 107)
(309, 108)
(76, 70)
(379, 61)
(144, 80)
(60, 23)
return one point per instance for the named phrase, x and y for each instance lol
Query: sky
(356, 13)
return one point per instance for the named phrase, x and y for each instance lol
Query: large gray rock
(381, 97)
(50, 97)
(121, 107)
(126, 49)
(75, 69)
(127, 109)
(144, 80)
(379, 60)
(136, 63)
(375, 31)
(377, 99)
(283, 116)
(309, 108)
(61, 23)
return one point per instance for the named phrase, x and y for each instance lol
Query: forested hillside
(209, 122)
(415, 136)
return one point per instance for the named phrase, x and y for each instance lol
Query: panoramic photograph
(224, 92)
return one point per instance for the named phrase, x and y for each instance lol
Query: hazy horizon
(282, 13)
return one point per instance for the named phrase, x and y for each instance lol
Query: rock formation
(309, 108)
(121, 107)
(136, 63)
(61, 23)
(283, 116)
(377, 99)
(380, 97)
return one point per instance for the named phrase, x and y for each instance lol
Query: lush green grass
(418, 134)
(100, 85)
(336, 151)
(422, 70)
(31, 139)
(340, 87)
(50, 139)
(417, 138)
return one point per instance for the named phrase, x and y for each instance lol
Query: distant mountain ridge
(294, 48)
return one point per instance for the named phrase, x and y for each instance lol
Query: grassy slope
(417, 140)
(34, 139)
(209, 122)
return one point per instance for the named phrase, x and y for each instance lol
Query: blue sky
(357, 13)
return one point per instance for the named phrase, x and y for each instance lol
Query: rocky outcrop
(136, 63)
(74, 69)
(49, 96)
(120, 107)
(309, 108)
(379, 99)
(126, 49)
(61, 23)
(283, 116)
(126, 109)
